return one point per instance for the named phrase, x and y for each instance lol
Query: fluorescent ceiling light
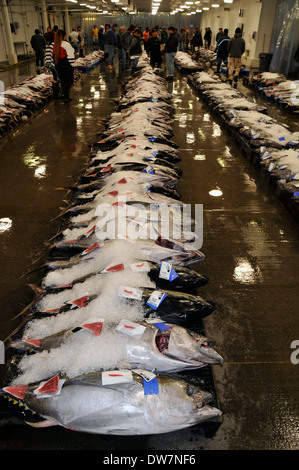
(215, 5)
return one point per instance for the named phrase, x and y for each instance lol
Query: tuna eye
(191, 390)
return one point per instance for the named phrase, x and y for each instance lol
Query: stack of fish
(276, 87)
(102, 346)
(19, 101)
(276, 145)
(90, 60)
(185, 63)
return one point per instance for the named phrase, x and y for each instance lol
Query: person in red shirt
(146, 35)
(64, 57)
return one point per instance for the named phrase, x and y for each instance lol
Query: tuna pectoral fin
(46, 423)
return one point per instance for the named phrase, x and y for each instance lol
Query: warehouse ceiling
(131, 6)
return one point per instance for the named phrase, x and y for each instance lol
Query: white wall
(227, 16)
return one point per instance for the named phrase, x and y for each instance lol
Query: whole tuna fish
(148, 345)
(120, 402)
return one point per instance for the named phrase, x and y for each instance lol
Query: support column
(265, 28)
(67, 22)
(11, 55)
(44, 15)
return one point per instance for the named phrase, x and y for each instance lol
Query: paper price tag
(140, 267)
(116, 377)
(131, 329)
(145, 374)
(155, 299)
(130, 293)
(167, 272)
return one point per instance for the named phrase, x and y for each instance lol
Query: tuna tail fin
(46, 423)
(32, 271)
(37, 290)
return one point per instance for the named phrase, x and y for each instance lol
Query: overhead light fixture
(215, 5)
(72, 1)
(228, 1)
(205, 8)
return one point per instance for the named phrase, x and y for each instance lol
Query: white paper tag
(130, 328)
(116, 377)
(165, 270)
(145, 374)
(140, 267)
(155, 299)
(130, 293)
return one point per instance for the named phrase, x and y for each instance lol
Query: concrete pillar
(265, 28)
(44, 15)
(11, 55)
(67, 22)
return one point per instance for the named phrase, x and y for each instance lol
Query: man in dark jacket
(154, 49)
(171, 48)
(135, 49)
(196, 40)
(125, 42)
(38, 44)
(111, 45)
(236, 48)
(222, 50)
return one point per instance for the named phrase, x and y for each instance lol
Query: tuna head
(190, 346)
(120, 402)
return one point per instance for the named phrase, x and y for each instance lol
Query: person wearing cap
(125, 42)
(135, 49)
(111, 45)
(171, 48)
(235, 49)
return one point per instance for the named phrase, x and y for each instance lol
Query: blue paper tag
(296, 194)
(161, 326)
(151, 387)
(282, 138)
(152, 139)
(154, 154)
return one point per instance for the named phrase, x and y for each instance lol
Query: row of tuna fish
(102, 346)
(276, 87)
(18, 102)
(275, 144)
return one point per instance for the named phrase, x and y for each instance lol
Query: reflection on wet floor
(250, 242)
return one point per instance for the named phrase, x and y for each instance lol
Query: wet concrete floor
(249, 239)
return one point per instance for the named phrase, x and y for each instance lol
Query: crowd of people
(57, 52)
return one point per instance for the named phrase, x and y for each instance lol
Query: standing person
(135, 49)
(154, 50)
(146, 36)
(64, 57)
(222, 50)
(74, 40)
(105, 39)
(208, 38)
(111, 45)
(81, 41)
(95, 35)
(171, 48)
(236, 48)
(100, 38)
(196, 40)
(181, 39)
(38, 44)
(188, 34)
(219, 34)
(50, 63)
(121, 31)
(164, 37)
(125, 41)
